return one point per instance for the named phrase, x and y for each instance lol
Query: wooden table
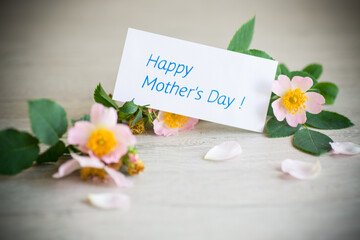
(63, 49)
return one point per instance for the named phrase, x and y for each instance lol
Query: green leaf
(18, 151)
(301, 74)
(312, 142)
(272, 99)
(129, 107)
(242, 38)
(83, 118)
(48, 120)
(277, 129)
(137, 118)
(100, 96)
(257, 53)
(53, 153)
(328, 90)
(328, 120)
(270, 111)
(284, 69)
(122, 116)
(314, 70)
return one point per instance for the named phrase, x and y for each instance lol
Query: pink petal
(294, 119)
(123, 134)
(119, 178)
(313, 104)
(281, 86)
(162, 130)
(102, 116)
(67, 168)
(304, 83)
(109, 200)
(80, 133)
(279, 109)
(115, 155)
(300, 170)
(224, 151)
(346, 148)
(190, 124)
(91, 161)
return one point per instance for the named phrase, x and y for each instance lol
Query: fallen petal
(118, 177)
(223, 151)
(67, 168)
(299, 169)
(109, 200)
(85, 161)
(347, 148)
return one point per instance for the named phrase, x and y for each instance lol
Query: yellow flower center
(294, 101)
(173, 120)
(101, 142)
(92, 172)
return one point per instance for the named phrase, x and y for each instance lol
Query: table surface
(63, 49)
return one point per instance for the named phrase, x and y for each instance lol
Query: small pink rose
(169, 124)
(294, 99)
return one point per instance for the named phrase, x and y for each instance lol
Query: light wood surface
(63, 49)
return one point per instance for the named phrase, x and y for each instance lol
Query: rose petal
(123, 134)
(115, 155)
(279, 109)
(162, 130)
(102, 116)
(299, 169)
(119, 178)
(281, 86)
(190, 124)
(223, 151)
(346, 148)
(91, 161)
(109, 200)
(67, 168)
(304, 83)
(294, 119)
(313, 104)
(80, 133)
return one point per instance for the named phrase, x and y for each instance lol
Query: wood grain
(63, 49)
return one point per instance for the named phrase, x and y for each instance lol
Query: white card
(195, 80)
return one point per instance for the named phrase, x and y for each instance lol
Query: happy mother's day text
(181, 71)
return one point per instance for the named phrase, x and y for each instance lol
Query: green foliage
(242, 38)
(328, 120)
(123, 116)
(127, 111)
(100, 96)
(314, 70)
(129, 107)
(83, 118)
(138, 117)
(48, 120)
(301, 74)
(18, 151)
(312, 142)
(270, 111)
(328, 90)
(277, 129)
(257, 53)
(284, 69)
(52, 154)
